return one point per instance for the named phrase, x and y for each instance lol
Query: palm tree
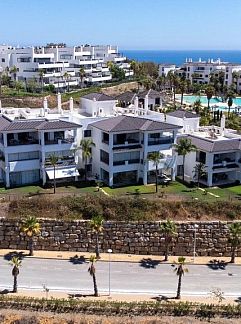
(174, 83)
(53, 159)
(182, 88)
(66, 76)
(91, 271)
(180, 270)
(14, 71)
(81, 75)
(16, 263)
(209, 93)
(234, 239)
(96, 225)
(184, 147)
(156, 157)
(85, 146)
(197, 106)
(31, 228)
(199, 171)
(41, 79)
(230, 103)
(169, 230)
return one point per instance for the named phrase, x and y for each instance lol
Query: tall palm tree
(15, 263)
(183, 89)
(66, 76)
(184, 147)
(234, 239)
(92, 271)
(209, 93)
(86, 148)
(197, 106)
(174, 83)
(41, 78)
(180, 270)
(169, 230)
(156, 157)
(31, 228)
(14, 71)
(199, 171)
(53, 159)
(96, 225)
(82, 75)
(230, 103)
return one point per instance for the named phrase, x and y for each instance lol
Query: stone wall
(131, 238)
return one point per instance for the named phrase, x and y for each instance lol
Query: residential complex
(200, 71)
(62, 66)
(124, 131)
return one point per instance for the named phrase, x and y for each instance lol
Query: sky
(130, 24)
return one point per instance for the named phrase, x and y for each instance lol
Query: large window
(24, 177)
(201, 157)
(131, 157)
(104, 157)
(23, 156)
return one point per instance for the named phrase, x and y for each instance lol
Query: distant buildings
(62, 66)
(200, 71)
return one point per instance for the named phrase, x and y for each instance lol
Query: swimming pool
(191, 99)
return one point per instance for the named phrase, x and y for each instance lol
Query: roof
(208, 145)
(129, 123)
(181, 113)
(98, 96)
(151, 94)
(127, 96)
(40, 124)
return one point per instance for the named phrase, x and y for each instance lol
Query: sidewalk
(63, 255)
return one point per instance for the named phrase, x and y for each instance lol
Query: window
(201, 157)
(3, 60)
(65, 57)
(104, 157)
(105, 138)
(23, 156)
(24, 59)
(87, 133)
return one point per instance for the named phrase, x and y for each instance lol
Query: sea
(178, 57)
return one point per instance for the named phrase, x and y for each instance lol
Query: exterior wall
(188, 124)
(131, 238)
(98, 108)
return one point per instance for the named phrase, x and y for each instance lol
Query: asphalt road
(126, 277)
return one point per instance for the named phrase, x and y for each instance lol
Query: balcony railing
(61, 162)
(60, 141)
(123, 162)
(164, 140)
(14, 142)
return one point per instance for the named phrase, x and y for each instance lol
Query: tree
(180, 270)
(82, 75)
(183, 89)
(234, 239)
(86, 148)
(14, 71)
(16, 263)
(53, 159)
(184, 147)
(230, 103)
(96, 225)
(18, 85)
(41, 78)
(156, 157)
(91, 271)
(199, 171)
(169, 230)
(31, 228)
(197, 106)
(174, 83)
(66, 76)
(209, 93)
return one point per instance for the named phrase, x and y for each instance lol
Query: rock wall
(131, 238)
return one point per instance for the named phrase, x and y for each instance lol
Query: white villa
(57, 60)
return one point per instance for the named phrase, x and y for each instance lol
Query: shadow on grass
(78, 259)
(12, 254)
(217, 264)
(163, 298)
(80, 295)
(149, 263)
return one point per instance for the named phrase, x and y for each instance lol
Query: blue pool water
(203, 99)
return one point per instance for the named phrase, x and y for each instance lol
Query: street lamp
(194, 244)
(109, 251)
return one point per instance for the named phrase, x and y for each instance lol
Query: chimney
(71, 104)
(136, 104)
(146, 103)
(45, 105)
(59, 102)
(222, 124)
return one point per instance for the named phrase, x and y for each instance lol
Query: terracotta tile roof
(98, 96)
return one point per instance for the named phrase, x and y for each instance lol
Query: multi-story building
(122, 147)
(200, 71)
(26, 146)
(60, 65)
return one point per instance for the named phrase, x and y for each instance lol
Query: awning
(62, 173)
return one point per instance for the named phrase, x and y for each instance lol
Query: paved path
(126, 277)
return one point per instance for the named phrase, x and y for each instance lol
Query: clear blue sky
(131, 24)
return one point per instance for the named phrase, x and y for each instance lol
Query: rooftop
(127, 96)
(181, 113)
(129, 123)
(98, 96)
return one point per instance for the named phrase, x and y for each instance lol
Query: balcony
(133, 161)
(60, 141)
(26, 141)
(61, 162)
(161, 140)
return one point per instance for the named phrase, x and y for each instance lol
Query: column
(145, 161)
(110, 151)
(7, 172)
(59, 102)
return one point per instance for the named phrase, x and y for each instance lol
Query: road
(126, 277)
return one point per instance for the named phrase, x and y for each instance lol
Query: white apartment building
(26, 145)
(199, 71)
(56, 61)
(122, 146)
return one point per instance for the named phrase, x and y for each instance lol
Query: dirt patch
(116, 90)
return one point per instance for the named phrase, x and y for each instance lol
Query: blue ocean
(178, 57)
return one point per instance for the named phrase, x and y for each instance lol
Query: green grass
(150, 189)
